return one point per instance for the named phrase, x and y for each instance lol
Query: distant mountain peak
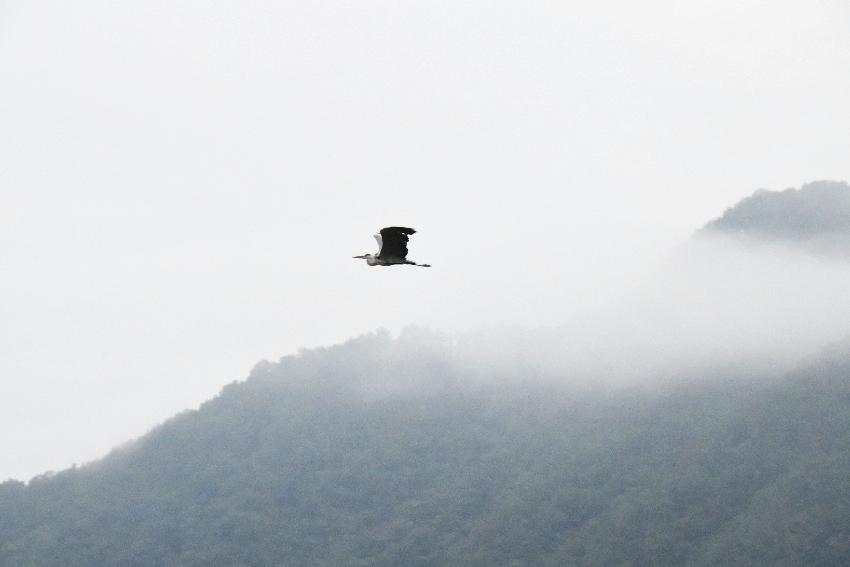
(816, 208)
(817, 216)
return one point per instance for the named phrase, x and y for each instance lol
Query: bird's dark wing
(395, 241)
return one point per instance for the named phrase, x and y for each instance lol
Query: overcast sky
(183, 184)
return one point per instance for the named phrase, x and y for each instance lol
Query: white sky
(182, 184)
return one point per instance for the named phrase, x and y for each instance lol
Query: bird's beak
(361, 257)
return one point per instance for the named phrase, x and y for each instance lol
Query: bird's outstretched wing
(395, 240)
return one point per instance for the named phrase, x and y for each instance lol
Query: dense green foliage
(344, 456)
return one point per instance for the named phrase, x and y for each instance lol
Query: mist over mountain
(316, 461)
(701, 420)
(815, 217)
(745, 292)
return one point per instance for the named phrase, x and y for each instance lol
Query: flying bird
(392, 248)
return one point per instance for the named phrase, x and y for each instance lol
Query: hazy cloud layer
(182, 185)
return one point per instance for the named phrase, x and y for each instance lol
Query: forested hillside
(339, 457)
(720, 447)
(815, 217)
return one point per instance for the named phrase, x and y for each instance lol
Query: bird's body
(392, 248)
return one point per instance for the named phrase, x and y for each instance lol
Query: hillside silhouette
(815, 216)
(413, 451)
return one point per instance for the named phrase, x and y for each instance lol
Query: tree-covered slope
(380, 453)
(815, 217)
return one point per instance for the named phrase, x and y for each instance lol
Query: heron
(392, 248)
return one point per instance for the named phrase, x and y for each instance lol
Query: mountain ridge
(415, 451)
(298, 465)
(816, 217)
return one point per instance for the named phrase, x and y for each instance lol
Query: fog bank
(722, 307)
